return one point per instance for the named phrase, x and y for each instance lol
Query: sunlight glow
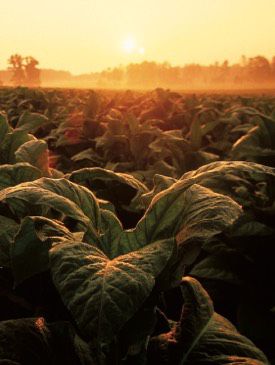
(107, 33)
(129, 45)
(141, 50)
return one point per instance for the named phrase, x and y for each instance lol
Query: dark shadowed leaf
(11, 175)
(40, 343)
(8, 229)
(116, 187)
(258, 143)
(31, 122)
(202, 336)
(218, 267)
(4, 126)
(30, 249)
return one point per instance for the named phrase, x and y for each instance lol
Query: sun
(129, 45)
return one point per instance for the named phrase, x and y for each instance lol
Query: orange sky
(90, 35)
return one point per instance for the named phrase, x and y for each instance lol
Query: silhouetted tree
(16, 66)
(32, 73)
(259, 69)
(24, 71)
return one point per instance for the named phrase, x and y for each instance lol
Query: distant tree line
(249, 72)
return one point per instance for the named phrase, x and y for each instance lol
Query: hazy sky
(90, 35)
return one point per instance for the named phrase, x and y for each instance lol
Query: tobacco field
(136, 228)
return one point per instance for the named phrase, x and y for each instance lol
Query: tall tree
(259, 69)
(32, 72)
(16, 66)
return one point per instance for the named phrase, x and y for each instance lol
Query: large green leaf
(248, 183)
(10, 144)
(79, 195)
(36, 153)
(119, 188)
(61, 195)
(258, 143)
(190, 214)
(103, 294)
(31, 122)
(202, 336)
(11, 175)
(201, 212)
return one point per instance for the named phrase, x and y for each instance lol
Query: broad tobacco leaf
(190, 213)
(78, 194)
(61, 195)
(10, 144)
(202, 336)
(248, 183)
(258, 143)
(116, 187)
(101, 293)
(36, 153)
(11, 175)
(31, 122)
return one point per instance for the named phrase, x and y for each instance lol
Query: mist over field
(251, 73)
